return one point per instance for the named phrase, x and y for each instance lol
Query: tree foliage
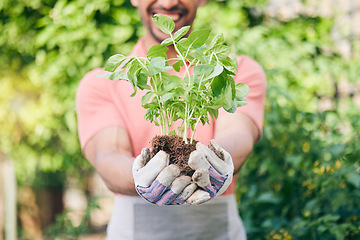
(302, 181)
(46, 47)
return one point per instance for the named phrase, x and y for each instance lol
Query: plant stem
(161, 113)
(193, 133)
(202, 77)
(181, 56)
(188, 73)
(185, 123)
(141, 63)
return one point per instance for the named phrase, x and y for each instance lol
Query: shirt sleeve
(94, 106)
(252, 74)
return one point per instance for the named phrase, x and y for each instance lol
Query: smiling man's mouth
(174, 14)
(174, 17)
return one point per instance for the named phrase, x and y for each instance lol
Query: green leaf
(146, 98)
(203, 69)
(167, 42)
(119, 75)
(242, 90)
(217, 40)
(130, 61)
(183, 43)
(197, 38)
(230, 64)
(228, 103)
(353, 178)
(241, 103)
(104, 75)
(171, 86)
(166, 96)
(218, 84)
(172, 133)
(218, 69)
(177, 80)
(181, 32)
(156, 66)
(150, 115)
(142, 81)
(178, 65)
(114, 62)
(165, 23)
(186, 97)
(214, 112)
(268, 197)
(134, 70)
(134, 93)
(233, 107)
(199, 55)
(231, 84)
(223, 88)
(157, 51)
(221, 51)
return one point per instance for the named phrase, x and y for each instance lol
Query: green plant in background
(303, 179)
(303, 175)
(64, 228)
(46, 47)
(193, 98)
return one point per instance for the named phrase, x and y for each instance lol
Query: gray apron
(135, 219)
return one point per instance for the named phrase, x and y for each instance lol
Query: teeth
(173, 17)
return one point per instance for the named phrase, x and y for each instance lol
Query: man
(113, 131)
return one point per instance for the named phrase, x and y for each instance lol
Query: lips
(174, 17)
(174, 14)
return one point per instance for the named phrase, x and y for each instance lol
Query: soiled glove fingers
(166, 187)
(209, 180)
(198, 197)
(158, 182)
(222, 166)
(143, 174)
(212, 174)
(155, 192)
(186, 193)
(173, 194)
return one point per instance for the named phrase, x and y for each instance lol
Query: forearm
(109, 152)
(238, 146)
(116, 170)
(236, 134)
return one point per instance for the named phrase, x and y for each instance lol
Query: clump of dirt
(178, 150)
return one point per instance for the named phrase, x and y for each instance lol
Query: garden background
(302, 180)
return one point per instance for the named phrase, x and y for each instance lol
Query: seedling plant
(206, 85)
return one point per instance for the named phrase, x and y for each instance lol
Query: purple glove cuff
(158, 194)
(217, 180)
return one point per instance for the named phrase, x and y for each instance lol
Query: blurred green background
(302, 180)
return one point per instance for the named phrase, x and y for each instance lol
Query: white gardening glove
(212, 174)
(158, 182)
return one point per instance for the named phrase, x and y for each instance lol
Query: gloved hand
(158, 182)
(212, 174)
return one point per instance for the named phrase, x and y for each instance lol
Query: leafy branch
(194, 98)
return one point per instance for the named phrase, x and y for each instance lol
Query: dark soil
(178, 150)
